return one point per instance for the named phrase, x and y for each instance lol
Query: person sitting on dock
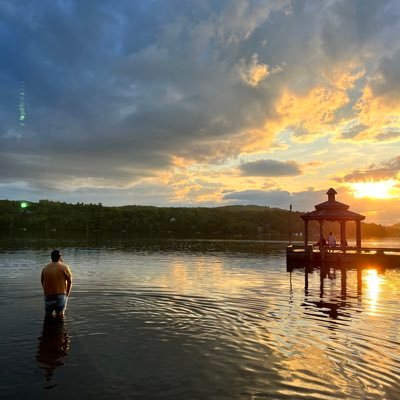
(331, 241)
(343, 245)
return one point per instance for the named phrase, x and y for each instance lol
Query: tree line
(47, 216)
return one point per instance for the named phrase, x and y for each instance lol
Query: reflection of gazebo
(333, 210)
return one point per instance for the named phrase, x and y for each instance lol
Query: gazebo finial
(331, 194)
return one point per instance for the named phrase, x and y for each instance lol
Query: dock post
(310, 253)
(343, 273)
(359, 279)
(323, 253)
(305, 281)
(321, 281)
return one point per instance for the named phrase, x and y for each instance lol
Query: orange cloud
(380, 114)
(344, 77)
(254, 72)
(309, 116)
(372, 174)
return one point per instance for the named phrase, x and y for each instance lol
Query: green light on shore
(24, 204)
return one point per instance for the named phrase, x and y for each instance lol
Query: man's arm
(69, 284)
(68, 277)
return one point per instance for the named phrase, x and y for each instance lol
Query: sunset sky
(202, 103)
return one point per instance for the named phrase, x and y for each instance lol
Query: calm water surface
(196, 320)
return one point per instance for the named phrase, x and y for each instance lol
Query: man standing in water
(56, 281)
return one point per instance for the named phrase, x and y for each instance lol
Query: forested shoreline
(46, 216)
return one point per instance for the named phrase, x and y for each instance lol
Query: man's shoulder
(66, 269)
(65, 265)
(46, 266)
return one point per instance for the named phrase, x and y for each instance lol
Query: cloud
(312, 115)
(384, 211)
(254, 72)
(122, 93)
(301, 201)
(351, 129)
(349, 28)
(270, 168)
(389, 135)
(378, 108)
(142, 193)
(260, 197)
(384, 170)
(386, 81)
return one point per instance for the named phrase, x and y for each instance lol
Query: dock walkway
(298, 256)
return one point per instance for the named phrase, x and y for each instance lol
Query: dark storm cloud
(270, 168)
(387, 78)
(351, 28)
(120, 86)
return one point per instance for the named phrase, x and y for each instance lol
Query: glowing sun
(374, 190)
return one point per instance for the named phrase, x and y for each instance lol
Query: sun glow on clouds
(380, 116)
(255, 72)
(311, 115)
(375, 190)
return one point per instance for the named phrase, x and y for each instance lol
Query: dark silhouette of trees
(47, 216)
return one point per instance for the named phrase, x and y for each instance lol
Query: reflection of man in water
(56, 280)
(53, 345)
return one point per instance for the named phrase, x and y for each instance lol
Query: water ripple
(201, 325)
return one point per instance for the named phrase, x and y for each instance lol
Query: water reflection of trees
(53, 346)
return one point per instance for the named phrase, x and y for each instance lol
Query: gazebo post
(321, 232)
(358, 236)
(305, 233)
(342, 231)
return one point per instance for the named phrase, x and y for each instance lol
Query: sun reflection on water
(372, 281)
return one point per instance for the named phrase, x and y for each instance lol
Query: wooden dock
(346, 257)
(298, 256)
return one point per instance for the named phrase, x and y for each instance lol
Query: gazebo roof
(332, 210)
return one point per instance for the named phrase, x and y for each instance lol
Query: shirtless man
(56, 281)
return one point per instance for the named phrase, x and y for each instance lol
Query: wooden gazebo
(335, 211)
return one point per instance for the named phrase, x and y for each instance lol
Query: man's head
(55, 255)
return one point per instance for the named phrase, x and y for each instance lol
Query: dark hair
(55, 255)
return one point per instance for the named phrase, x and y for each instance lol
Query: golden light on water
(374, 190)
(372, 280)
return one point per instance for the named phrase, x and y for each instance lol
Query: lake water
(196, 320)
